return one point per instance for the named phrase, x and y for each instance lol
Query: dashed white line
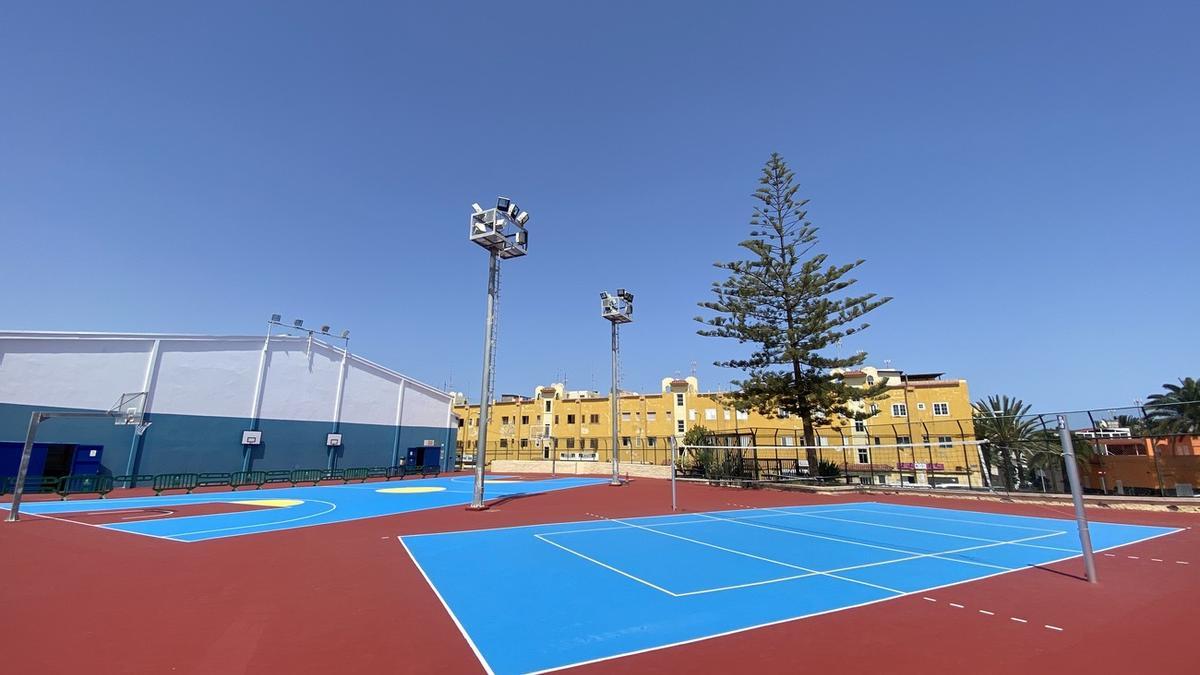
(1182, 562)
(1156, 559)
(955, 604)
(1109, 555)
(984, 611)
(1053, 627)
(929, 599)
(1018, 620)
(1133, 557)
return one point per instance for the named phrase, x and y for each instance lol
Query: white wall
(209, 376)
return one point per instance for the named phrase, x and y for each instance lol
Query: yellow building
(915, 433)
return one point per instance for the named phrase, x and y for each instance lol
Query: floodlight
(522, 238)
(477, 207)
(502, 203)
(603, 295)
(523, 218)
(298, 323)
(620, 292)
(276, 317)
(324, 329)
(513, 210)
(345, 335)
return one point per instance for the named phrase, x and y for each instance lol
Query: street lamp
(618, 309)
(500, 230)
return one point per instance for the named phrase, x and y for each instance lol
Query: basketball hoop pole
(1085, 538)
(35, 420)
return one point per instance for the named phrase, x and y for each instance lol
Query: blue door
(87, 460)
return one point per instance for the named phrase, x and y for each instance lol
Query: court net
(938, 463)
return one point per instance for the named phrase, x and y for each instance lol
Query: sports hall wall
(201, 397)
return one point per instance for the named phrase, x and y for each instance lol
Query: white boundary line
(914, 529)
(332, 507)
(606, 566)
(1069, 520)
(952, 520)
(102, 527)
(479, 655)
(758, 557)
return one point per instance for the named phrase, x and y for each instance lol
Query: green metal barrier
(131, 480)
(87, 484)
(279, 476)
(313, 476)
(360, 475)
(210, 479)
(396, 472)
(379, 472)
(243, 478)
(334, 474)
(176, 481)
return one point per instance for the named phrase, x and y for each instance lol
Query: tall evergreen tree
(791, 305)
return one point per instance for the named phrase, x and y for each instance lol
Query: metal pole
(14, 509)
(616, 395)
(481, 449)
(1085, 538)
(674, 457)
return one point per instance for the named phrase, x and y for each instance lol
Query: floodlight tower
(500, 230)
(618, 309)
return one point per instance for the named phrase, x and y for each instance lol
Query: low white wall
(579, 468)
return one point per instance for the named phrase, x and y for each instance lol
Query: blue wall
(192, 443)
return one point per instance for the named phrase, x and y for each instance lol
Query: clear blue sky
(1023, 177)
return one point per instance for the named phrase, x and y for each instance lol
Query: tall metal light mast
(618, 309)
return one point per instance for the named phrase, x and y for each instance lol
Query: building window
(545, 430)
(570, 419)
(860, 426)
(679, 400)
(570, 443)
(524, 419)
(679, 427)
(945, 442)
(624, 441)
(504, 442)
(743, 415)
(651, 442)
(524, 442)
(788, 441)
(899, 410)
(864, 456)
(547, 405)
(651, 416)
(593, 443)
(903, 440)
(920, 406)
(556, 419)
(594, 419)
(710, 414)
(941, 409)
(460, 423)
(874, 408)
(504, 420)
(925, 440)
(781, 413)
(625, 417)
(870, 380)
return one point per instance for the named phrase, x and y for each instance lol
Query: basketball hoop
(129, 410)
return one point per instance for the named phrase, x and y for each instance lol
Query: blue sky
(1022, 177)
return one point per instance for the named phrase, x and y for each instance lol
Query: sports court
(625, 585)
(235, 514)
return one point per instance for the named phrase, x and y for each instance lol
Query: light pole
(618, 309)
(501, 231)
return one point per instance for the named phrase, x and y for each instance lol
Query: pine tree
(792, 306)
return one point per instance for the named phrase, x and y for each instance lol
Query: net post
(674, 457)
(1085, 538)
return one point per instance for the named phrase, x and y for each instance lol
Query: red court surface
(345, 597)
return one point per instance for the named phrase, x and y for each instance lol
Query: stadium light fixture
(275, 318)
(502, 232)
(617, 310)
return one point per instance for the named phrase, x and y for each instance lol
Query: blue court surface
(604, 588)
(289, 508)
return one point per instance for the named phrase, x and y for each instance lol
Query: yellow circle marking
(411, 490)
(271, 502)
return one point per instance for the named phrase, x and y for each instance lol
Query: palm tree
(1178, 410)
(1010, 431)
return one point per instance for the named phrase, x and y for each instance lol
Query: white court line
(956, 520)
(150, 515)
(102, 527)
(758, 557)
(479, 655)
(606, 566)
(913, 554)
(914, 529)
(332, 507)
